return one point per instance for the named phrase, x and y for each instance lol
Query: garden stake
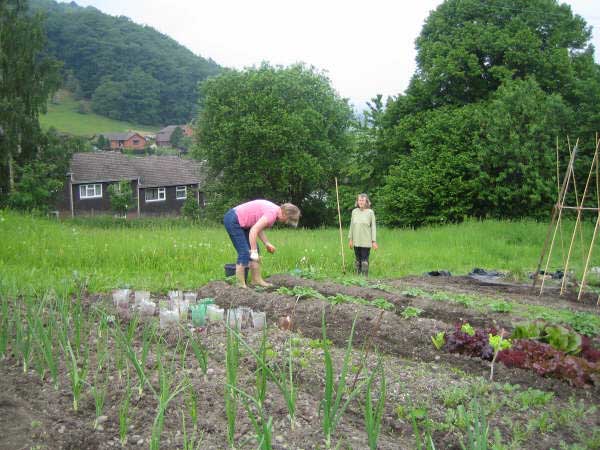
(560, 210)
(555, 212)
(577, 223)
(587, 261)
(337, 196)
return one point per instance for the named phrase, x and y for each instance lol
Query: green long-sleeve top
(363, 231)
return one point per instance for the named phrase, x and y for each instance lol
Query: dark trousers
(362, 253)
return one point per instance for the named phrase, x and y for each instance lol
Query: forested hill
(129, 71)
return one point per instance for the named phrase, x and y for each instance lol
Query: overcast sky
(366, 47)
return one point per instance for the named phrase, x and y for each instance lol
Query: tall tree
(27, 80)
(273, 132)
(467, 48)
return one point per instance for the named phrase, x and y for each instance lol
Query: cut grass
(64, 116)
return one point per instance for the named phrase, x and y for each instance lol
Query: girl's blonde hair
(367, 201)
(292, 213)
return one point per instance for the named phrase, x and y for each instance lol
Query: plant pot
(190, 297)
(168, 318)
(214, 313)
(147, 307)
(121, 297)
(259, 319)
(141, 296)
(199, 315)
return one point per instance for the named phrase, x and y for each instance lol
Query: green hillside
(63, 114)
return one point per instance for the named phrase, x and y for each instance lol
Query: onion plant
(199, 351)
(23, 343)
(166, 394)
(77, 368)
(192, 405)
(4, 324)
(124, 345)
(44, 334)
(262, 425)
(232, 356)
(124, 414)
(332, 408)
(99, 394)
(194, 442)
(373, 415)
(282, 377)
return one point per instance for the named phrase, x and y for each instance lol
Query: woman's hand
(351, 244)
(270, 247)
(254, 255)
(375, 246)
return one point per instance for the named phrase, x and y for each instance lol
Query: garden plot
(137, 385)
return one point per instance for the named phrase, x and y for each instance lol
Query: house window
(136, 141)
(181, 192)
(90, 191)
(155, 194)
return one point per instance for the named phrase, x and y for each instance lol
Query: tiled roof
(164, 135)
(119, 136)
(152, 171)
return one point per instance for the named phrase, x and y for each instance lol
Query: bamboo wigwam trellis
(555, 226)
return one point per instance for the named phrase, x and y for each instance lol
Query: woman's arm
(257, 231)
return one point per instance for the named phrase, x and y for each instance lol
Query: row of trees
(474, 134)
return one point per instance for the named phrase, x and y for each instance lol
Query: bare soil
(35, 415)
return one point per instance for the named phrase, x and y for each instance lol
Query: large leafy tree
(273, 132)
(27, 79)
(467, 48)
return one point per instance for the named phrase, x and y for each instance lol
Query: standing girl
(363, 233)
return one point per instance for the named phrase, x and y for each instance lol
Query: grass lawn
(163, 254)
(64, 116)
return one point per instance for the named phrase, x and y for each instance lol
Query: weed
(411, 311)
(453, 396)
(532, 398)
(413, 292)
(501, 307)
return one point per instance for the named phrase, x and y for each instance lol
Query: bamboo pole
(577, 203)
(555, 211)
(559, 206)
(562, 241)
(577, 223)
(337, 196)
(587, 261)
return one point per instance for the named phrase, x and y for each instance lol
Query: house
(163, 137)
(130, 140)
(160, 184)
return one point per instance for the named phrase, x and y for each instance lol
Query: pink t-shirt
(251, 212)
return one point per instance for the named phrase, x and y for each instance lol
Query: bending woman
(247, 222)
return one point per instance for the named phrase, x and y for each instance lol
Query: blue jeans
(240, 237)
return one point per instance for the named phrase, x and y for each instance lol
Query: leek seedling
(4, 325)
(164, 398)
(284, 381)
(192, 404)
(77, 374)
(373, 415)
(332, 408)
(99, 394)
(232, 355)
(22, 340)
(195, 441)
(262, 425)
(199, 351)
(124, 415)
(44, 336)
